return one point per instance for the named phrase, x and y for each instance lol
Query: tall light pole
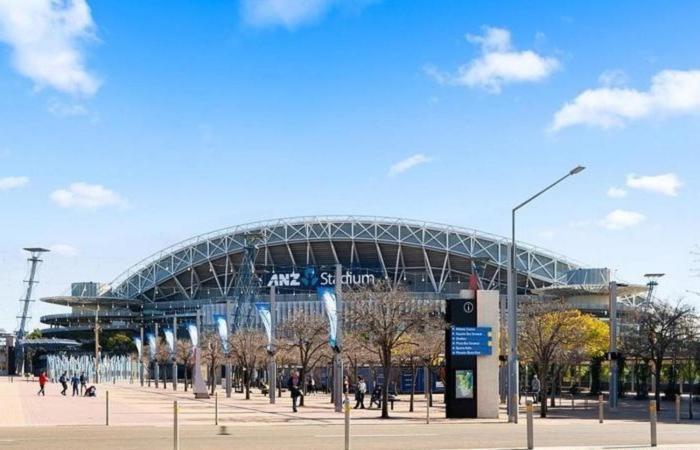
(513, 377)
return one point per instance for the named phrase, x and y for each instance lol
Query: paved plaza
(142, 418)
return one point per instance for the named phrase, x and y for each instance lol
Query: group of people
(79, 384)
(361, 391)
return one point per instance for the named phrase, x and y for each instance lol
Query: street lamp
(513, 387)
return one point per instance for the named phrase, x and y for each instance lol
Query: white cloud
(87, 196)
(671, 92)
(46, 37)
(408, 163)
(620, 219)
(616, 192)
(291, 13)
(61, 109)
(64, 250)
(613, 77)
(498, 65)
(8, 183)
(667, 184)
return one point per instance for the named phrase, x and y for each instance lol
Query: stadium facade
(433, 261)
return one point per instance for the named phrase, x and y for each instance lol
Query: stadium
(204, 274)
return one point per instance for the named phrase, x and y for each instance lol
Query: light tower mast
(651, 285)
(34, 260)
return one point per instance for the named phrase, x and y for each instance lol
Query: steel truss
(398, 247)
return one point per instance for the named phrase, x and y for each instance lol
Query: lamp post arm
(541, 192)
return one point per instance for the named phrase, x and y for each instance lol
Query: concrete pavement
(141, 418)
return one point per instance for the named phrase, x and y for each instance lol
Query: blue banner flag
(151, 345)
(192, 330)
(222, 326)
(266, 318)
(138, 344)
(170, 339)
(327, 295)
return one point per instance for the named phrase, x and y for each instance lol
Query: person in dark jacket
(294, 387)
(75, 382)
(83, 383)
(64, 382)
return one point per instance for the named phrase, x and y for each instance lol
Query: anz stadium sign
(310, 278)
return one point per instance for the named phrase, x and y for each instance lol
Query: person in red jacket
(42, 383)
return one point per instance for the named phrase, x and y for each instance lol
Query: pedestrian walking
(346, 385)
(360, 391)
(75, 382)
(42, 384)
(64, 382)
(83, 383)
(294, 388)
(535, 387)
(376, 396)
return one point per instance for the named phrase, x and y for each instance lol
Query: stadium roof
(395, 246)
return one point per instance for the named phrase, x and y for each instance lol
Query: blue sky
(128, 126)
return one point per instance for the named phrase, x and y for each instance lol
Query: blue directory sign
(470, 341)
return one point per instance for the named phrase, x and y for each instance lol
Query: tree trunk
(212, 378)
(247, 379)
(165, 376)
(185, 378)
(385, 387)
(413, 386)
(543, 392)
(690, 397)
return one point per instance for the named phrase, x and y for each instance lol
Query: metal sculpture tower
(247, 284)
(34, 260)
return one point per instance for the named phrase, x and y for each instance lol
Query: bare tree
(248, 349)
(355, 354)
(431, 345)
(184, 356)
(408, 353)
(163, 354)
(305, 334)
(212, 355)
(285, 357)
(663, 327)
(381, 315)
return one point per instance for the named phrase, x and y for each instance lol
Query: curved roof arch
(534, 263)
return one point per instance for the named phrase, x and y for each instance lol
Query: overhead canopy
(91, 302)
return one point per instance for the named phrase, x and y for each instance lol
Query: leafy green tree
(34, 334)
(119, 344)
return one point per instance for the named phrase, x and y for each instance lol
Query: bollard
(600, 408)
(585, 404)
(652, 421)
(176, 427)
(216, 408)
(223, 430)
(427, 412)
(530, 428)
(107, 408)
(346, 408)
(678, 408)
